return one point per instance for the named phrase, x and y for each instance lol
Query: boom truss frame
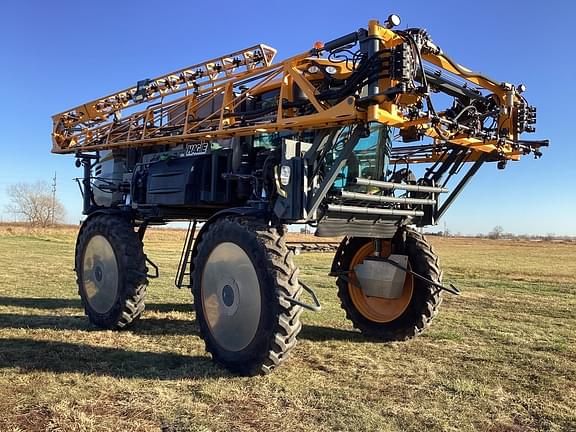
(227, 82)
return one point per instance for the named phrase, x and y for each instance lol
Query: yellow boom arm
(391, 78)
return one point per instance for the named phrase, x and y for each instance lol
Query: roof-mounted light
(393, 21)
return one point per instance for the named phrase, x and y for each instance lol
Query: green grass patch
(500, 357)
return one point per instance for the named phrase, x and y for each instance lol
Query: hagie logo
(197, 148)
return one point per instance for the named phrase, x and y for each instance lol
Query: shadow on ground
(156, 326)
(52, 303)
(64, 357)
(145, 326)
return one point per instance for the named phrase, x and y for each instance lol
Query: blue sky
(55, 55)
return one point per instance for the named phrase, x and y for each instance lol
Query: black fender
(109, 211)
(335, 268)
(233, 211)
(128, 215)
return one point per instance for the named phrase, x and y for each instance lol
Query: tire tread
(286, 316)
(120, 231)
(424, 261)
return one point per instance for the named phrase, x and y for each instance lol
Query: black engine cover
(188, 181)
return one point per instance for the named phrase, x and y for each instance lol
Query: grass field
(501, 357)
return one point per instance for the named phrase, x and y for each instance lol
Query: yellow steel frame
(229, 80)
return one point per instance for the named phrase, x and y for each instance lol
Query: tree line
(35, 203)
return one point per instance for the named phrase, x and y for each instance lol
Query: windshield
(368, 160)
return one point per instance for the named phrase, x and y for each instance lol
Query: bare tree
(496, 232)
(34, 203)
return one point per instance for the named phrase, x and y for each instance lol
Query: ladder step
(402, 186)
(385, 199)
(373, 211)
(185, 260)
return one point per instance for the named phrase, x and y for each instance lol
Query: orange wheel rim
(377, 309)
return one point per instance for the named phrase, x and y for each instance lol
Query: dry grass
(501, 357)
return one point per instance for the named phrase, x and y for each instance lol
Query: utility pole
(53, 197)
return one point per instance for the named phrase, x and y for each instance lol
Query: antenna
(53, 197)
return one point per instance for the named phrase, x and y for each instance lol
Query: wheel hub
(227, 295)
(231, 296)
(98, 273)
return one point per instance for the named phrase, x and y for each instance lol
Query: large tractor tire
(243, 279)
(111, 271)
(391, 319)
